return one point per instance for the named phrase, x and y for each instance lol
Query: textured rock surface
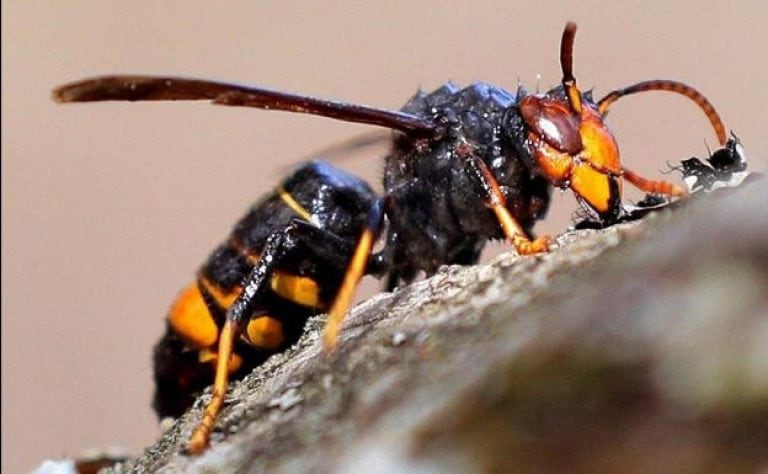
(640, 348)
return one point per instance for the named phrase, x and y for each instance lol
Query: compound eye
(554, 122)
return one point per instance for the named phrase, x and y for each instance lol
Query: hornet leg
(276, 247)
(494, 199)
(355, 271)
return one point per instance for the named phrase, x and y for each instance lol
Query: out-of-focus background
(108, 209)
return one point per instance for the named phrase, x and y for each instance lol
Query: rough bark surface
(639, 348)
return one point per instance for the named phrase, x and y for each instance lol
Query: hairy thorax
(437, 217)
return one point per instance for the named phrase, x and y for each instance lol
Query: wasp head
(571, 144)
(572, 147)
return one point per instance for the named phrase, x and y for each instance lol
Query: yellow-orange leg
(200, 437)
(653, 187)
(354, 273)
(516, 235)
(347, 290)
(512, 229)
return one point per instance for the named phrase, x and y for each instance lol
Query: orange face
(575, 150)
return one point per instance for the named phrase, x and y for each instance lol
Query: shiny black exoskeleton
(466, 165)
(437, 209)
(299, 262)
(308, 227)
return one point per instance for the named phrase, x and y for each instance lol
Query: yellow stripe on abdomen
(302, 290)
(191, 320)
(265, 332)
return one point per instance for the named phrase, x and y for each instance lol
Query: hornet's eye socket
(553, 121)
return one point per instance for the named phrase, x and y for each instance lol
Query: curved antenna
(566, 64)
(134, 88)
(671, 86)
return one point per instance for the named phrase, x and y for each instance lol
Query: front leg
(494, 199)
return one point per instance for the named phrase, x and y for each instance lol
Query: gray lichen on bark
(639, 348)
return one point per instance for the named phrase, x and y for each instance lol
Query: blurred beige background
(108, 209)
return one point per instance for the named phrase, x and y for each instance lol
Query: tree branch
(638, 348)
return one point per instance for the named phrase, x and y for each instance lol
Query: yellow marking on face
(222, 298)
(191, 320)
(293, 204)
(299, 289)
(592, 186)
(265, 332)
